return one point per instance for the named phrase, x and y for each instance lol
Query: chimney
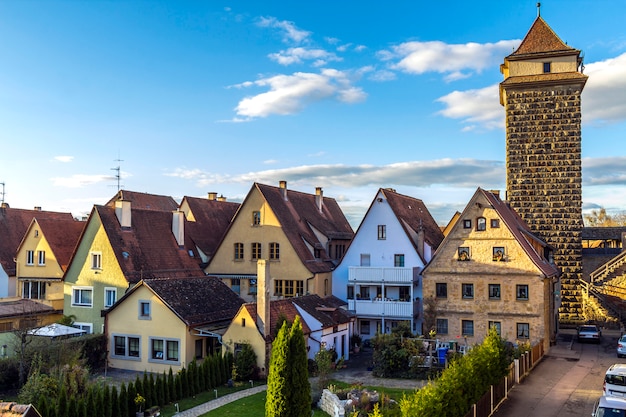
(496, 193)
(212, 196)
(123, 213)
(178, 227)
(263, 297)
(319, 198)
(283, 189)
(37, 208)
(221, 198)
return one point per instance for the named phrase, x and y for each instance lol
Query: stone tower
(541, 91)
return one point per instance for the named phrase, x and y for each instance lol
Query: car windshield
(588, 329)
(623, 338)
(615, 379)
(610, 412)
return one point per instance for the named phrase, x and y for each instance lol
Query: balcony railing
(373, 274)
(378, 307)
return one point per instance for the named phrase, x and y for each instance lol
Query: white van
(615, 381)
(609, 407)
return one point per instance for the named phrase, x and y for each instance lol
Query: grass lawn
(170, 410)
(254, 406)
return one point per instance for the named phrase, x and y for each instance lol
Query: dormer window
(547, 67)
(467, 224)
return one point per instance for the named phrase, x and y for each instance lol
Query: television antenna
(2, 194)
(118, 174)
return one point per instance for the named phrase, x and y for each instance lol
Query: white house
(379, 275)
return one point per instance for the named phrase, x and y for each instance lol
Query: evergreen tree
(171, 386)
(147, 390)
(132, 393)
(115, 402)
(42, 405)
(299, 400)
(107, 408)
(184, 382)
(165, 390)
(123, 400)
(72, 407)
(212, 372)
(91, 398)
(62, 403)
(191, 377)
(179, 386)
(276, 403)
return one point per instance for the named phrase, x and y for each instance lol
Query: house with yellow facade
(168, 323)
(13, 225)
(43, 257)
(492, 271)
(120, 245)
(303, 236)
(326, 322)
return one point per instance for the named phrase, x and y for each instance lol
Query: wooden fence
(497, 394)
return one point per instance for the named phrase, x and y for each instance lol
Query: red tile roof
(413, 215)
(299, 215)
(20, 307)
(12, 409)
(62, 236)
(212, 218)
(197, 301)
(541, 39)
(144, 201)
(148, 249)
(326, 310)
(13, 226)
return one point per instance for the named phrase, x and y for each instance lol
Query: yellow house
(122, 244)
(492, 271)
(326, 323)
(43, 257)
(167, 323)
(17, 317)
(302, 235)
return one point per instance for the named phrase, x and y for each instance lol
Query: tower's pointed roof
(541, 39)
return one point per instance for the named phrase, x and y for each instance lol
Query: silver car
(621, 346)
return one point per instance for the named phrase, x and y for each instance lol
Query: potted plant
(139, 402)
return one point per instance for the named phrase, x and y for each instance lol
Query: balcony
(381, 307)
(388, 275)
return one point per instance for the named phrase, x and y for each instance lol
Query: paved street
(567, 382)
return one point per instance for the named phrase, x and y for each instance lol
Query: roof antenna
(538, 9)
(2, 195)
(118, 175)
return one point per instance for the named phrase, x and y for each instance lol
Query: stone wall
(331, 404)
(544, 181)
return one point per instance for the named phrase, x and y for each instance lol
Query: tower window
(547, 67)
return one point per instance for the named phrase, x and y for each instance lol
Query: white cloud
(603, 96)
(289, 30)
(297, 55)
(288, 94)
(64, 158)
(80, 180)
(435, 56)
(481, 106)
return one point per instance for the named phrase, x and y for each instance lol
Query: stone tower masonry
(541, 91)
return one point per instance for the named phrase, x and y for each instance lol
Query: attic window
(467, 224)
(481, 224)
(547, 67)
(190, 252)
(125, 255)
(495, 223)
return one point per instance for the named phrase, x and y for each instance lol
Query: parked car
(589, 332)
(621, 346)
(615, 381)
(609, 407)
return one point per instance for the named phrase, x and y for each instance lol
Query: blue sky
(191, 97)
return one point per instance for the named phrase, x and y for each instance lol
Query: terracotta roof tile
(62, 236)
(13, 226)
(541, 39)
(299, 215)
(148, 249)
(144, 201)
(414, 215)
(198, 301)
(23, 307)
(212, 218)
(565, 77)
(11, 409)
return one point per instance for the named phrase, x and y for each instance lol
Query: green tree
(299, 385)
(276, 403)
(600, 218)
(245, 363)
